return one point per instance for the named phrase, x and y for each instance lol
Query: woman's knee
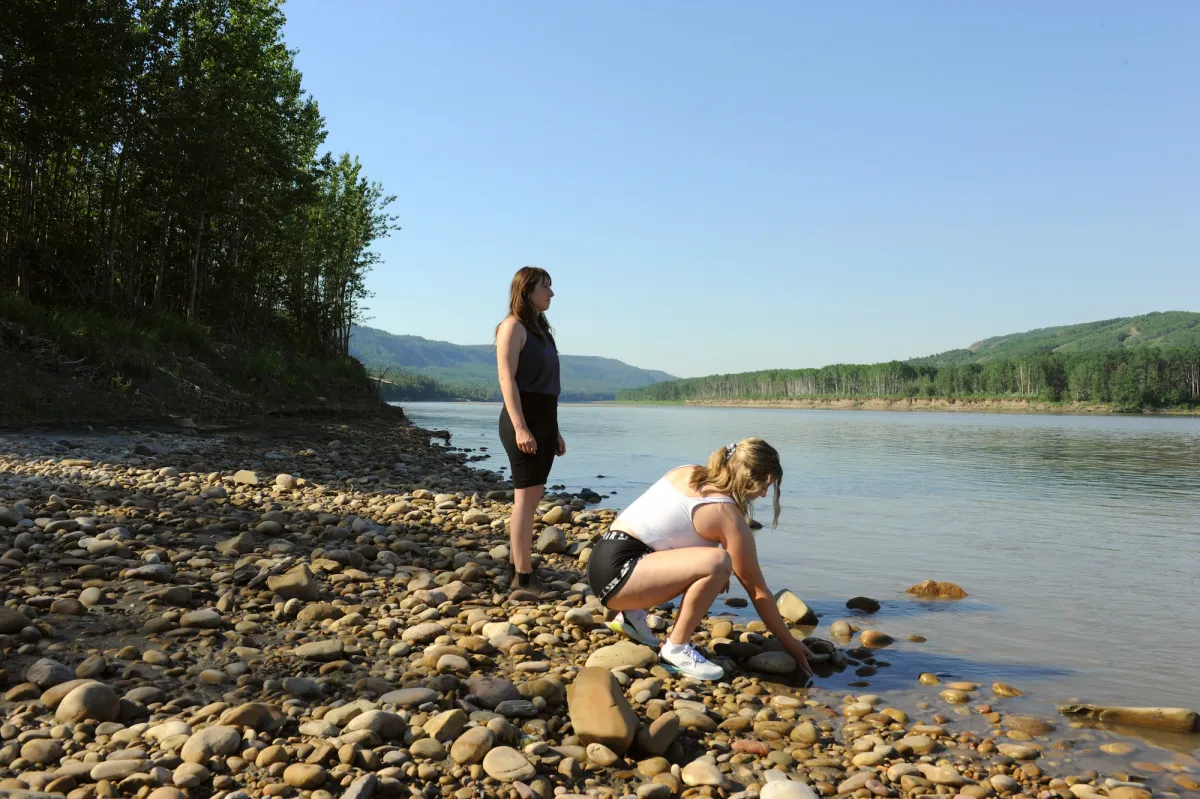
(721, 563)
(527, 499)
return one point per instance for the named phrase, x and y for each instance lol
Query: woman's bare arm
(739, 543)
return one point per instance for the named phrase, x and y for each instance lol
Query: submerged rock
(934, 589)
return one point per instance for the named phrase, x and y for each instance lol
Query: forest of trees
(397, 386)
(1130, 379)
(160, 157)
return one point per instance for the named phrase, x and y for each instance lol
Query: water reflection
(1175, 741)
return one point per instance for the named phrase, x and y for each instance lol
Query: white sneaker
(632, 624)
(690, 663)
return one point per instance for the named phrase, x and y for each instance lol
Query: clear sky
(721, 186)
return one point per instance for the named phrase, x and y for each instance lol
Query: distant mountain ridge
(468, 371)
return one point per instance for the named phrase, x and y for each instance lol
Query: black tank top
(537, 365)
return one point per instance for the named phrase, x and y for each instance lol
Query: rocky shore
(324, 610)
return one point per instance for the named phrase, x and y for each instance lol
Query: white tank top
(661, 518)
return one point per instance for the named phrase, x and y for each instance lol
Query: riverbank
(323, 608)
(936, 404)
(70, 367)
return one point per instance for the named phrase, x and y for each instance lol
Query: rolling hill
(1162, 329)
(1132, 363)
(469, 371)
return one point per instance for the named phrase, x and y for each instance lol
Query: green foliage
(469, 371)
(76, 363)
(161, 159)
(119, 344)
(1130, 379)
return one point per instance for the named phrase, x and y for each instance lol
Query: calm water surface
(1077, 538)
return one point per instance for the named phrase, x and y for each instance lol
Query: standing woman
(527, 362)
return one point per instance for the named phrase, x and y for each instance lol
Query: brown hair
(524, 282)
(741, 471)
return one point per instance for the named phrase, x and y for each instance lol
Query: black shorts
(612, 562)
(541, 415)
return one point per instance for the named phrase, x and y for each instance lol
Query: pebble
(388, 726)
(1029, 724)
(772, 663)
(601, 755)
(46, 673)
(491, 691)
(409, 697)
(786, 789)
(918, 744)
(702, 771)
(166, 792)
(865, 604)
(1128, 792)
(622, 654)
(855, 782)
(42, 751)
(428, 749)
(472, 745)
(1118, 748)
(207, 618)
(1019, 751)
(875, 639)
(506, 764)
(940, 775)
(92, 701)
(191, 775)
(115, 770)
(11, 621)
(1003, 783)
(304, 775)
(210, 742)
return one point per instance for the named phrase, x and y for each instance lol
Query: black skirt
(541, 415)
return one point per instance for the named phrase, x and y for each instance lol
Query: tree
(161, 157)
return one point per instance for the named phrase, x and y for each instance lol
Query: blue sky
(720, 187)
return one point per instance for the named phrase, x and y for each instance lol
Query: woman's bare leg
(520, 527)
(699, 573)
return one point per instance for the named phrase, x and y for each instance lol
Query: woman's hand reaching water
(801, 653)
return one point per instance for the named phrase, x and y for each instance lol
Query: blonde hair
(741, 471)
(524, 282)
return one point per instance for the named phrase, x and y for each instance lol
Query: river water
(1077, 538)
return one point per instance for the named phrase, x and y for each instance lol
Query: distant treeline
(404, 386)
(1129, 380)
(162, 159)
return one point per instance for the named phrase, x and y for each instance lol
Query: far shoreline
(937, 405)
(899, 405)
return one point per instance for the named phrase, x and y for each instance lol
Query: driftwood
(1175, 719)
(278, 568)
